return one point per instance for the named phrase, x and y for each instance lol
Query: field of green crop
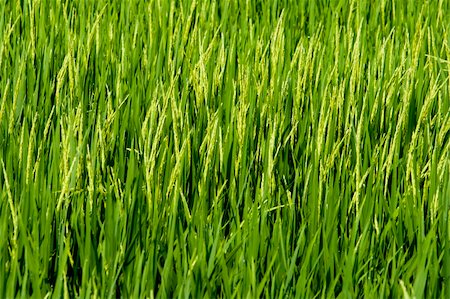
(224, 148)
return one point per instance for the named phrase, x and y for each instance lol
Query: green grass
(279, 148)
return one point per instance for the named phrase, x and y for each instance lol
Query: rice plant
(257, 148)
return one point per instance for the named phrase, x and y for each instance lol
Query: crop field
(224, 149)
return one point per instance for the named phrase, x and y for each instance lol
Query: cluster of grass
(216, 148)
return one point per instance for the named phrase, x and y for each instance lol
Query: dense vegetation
(215, 148)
